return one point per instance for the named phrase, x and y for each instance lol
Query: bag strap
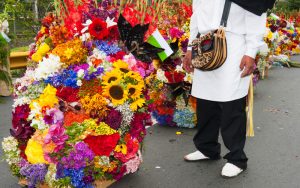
(226, 11)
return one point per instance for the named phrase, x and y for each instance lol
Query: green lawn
(20, 49)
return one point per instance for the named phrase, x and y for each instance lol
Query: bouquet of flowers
(173, 105)
(80, 111)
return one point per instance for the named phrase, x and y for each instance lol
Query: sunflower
(135, 91)
(115, 92)
(122, 66)
(137, 104)
(133, 77)
(112, 76)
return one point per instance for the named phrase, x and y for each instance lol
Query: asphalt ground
(274, 152)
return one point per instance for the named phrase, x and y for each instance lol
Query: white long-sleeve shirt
(244, 34)
(207, 16)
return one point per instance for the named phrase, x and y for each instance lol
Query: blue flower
(108, 49)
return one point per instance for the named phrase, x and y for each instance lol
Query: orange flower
(71, 117)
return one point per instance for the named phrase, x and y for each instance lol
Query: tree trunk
(36, 10)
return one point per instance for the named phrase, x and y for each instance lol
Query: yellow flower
(121, 148)
(137, 104)
(116, 93)
(34, 152)
(155, 63)
(98, 129)
(135, 91)
(43, 49)
(270, 35)
(133, 77)
(121, 65)
(112, 76)
(64, 50)
(96, 104)
(36, 57)
(68, 53)
(48, 97)
(43, 29)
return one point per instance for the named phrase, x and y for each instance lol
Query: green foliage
(287, 7)
(22, 18)
(4, 53)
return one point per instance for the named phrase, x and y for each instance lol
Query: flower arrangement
(173, 105)
(81, 110)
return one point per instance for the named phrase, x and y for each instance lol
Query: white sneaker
(196, 156)
(230, 170)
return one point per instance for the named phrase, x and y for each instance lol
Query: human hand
(247, 65)
(187, 62)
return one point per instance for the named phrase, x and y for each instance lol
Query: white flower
(86, 25)
(84, 37)
(21, 101)
(47, 67)
(79, 83)
(110, 22)
(179, 68)
(39, 124)
(188, 78)
(35, 111)
(4, 27)
(80, 73)
(264, 50)
(161, 76)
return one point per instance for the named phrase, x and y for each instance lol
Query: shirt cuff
(252, 52)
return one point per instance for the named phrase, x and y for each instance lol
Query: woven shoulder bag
(209, 51)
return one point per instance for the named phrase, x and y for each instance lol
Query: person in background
(221, 93)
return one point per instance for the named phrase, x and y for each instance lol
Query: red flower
(132, 149)
(98, 29)
(113, 33)
(104, 144)
(119, 55)
(138, 125)
(118, 173)
(68, 94)
(174, 77)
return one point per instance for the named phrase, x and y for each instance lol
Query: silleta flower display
(81, 110)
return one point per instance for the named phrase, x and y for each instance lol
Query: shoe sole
(187, 160)
(227, 177)
(208, 159)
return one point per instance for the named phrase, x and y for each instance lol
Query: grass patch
(20, 49)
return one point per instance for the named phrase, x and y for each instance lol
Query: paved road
(274, 153)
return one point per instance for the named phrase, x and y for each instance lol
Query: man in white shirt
(221, 93)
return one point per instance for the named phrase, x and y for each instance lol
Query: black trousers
(230, 118)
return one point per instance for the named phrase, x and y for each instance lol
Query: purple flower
(34, 173)
(78, 158)
(114, 119)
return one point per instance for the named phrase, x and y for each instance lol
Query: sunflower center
(116, 92)
(124, 70)
(112, 79)
(131, 91)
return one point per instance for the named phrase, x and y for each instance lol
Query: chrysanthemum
(112, 76)
(135, 91)
(137, 104)
(116, 93)
(122, 66)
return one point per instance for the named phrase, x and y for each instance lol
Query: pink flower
(176, 33)
(133, 165)
(57, 135)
